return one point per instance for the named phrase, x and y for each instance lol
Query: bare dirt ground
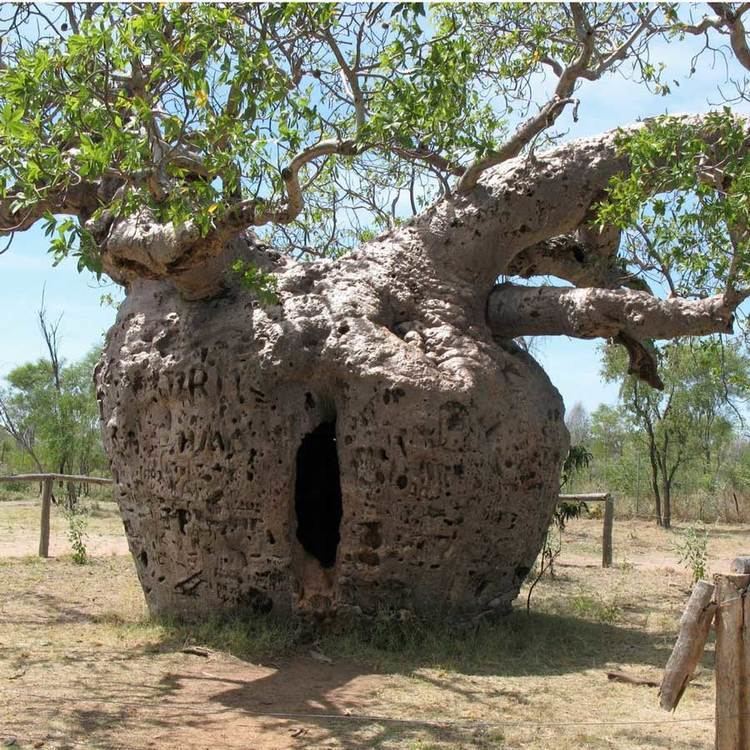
(82, 666)
(19, 530)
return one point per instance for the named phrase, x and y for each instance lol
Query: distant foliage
(687, 443)
(49, 419)
(578, 459)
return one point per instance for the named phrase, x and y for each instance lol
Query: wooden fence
(47, 480)
(609, 518)
(725, 604)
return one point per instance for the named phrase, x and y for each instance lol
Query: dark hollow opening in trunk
(317, 494)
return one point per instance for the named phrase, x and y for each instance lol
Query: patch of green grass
(596, 609)
(246, 636)
(520, 644)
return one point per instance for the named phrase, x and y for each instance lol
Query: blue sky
(26, 270)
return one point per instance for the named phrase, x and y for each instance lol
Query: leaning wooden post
(609, 518)
(733, 657)
(694, 626)
(44, 530)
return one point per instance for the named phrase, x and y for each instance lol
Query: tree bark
(653, 458)
(439, 441)
(448, 444)
(602, 313)
(667, 504)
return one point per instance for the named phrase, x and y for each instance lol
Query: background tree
(578, 422)
(691, 418)
(611, 442)
(51, 412)
(163, 133)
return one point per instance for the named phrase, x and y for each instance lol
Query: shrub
(692, 548)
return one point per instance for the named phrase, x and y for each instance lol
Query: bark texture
(448, 444)
(375, 439)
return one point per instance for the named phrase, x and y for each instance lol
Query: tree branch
(350, 77)
(544, 119)
(568, 78)
(431, 158)
(641, 360)
(77, 200)
(141, 243)
(589, 259)
(727, 17)
(522, 203)
(622, 51)
(584, 258)
(290, 175)
(548, 114)
(603, 313)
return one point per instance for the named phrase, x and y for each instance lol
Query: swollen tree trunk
(365, 443)
(375, 439)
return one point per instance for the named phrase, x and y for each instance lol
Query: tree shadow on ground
(335, 695)
(301, 692)
(273, 688)
(41, 607)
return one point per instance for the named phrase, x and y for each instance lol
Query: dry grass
(81, 666)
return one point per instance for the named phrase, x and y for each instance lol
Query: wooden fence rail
(609, 518)
(47, 481)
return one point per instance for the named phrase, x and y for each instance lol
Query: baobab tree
(312, 398)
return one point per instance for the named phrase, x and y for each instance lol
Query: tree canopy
(147, 136)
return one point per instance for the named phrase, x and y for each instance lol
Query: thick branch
(731, 18)
(524, 202)
(79, 200)
(544, 119)
(140, 245)
(603, 313)
(589, 259)
(584, 258)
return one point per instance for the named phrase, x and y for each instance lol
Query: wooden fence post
(47, 480)
(44, 525)
(695, 624)
(733, 658)
(609, 517)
